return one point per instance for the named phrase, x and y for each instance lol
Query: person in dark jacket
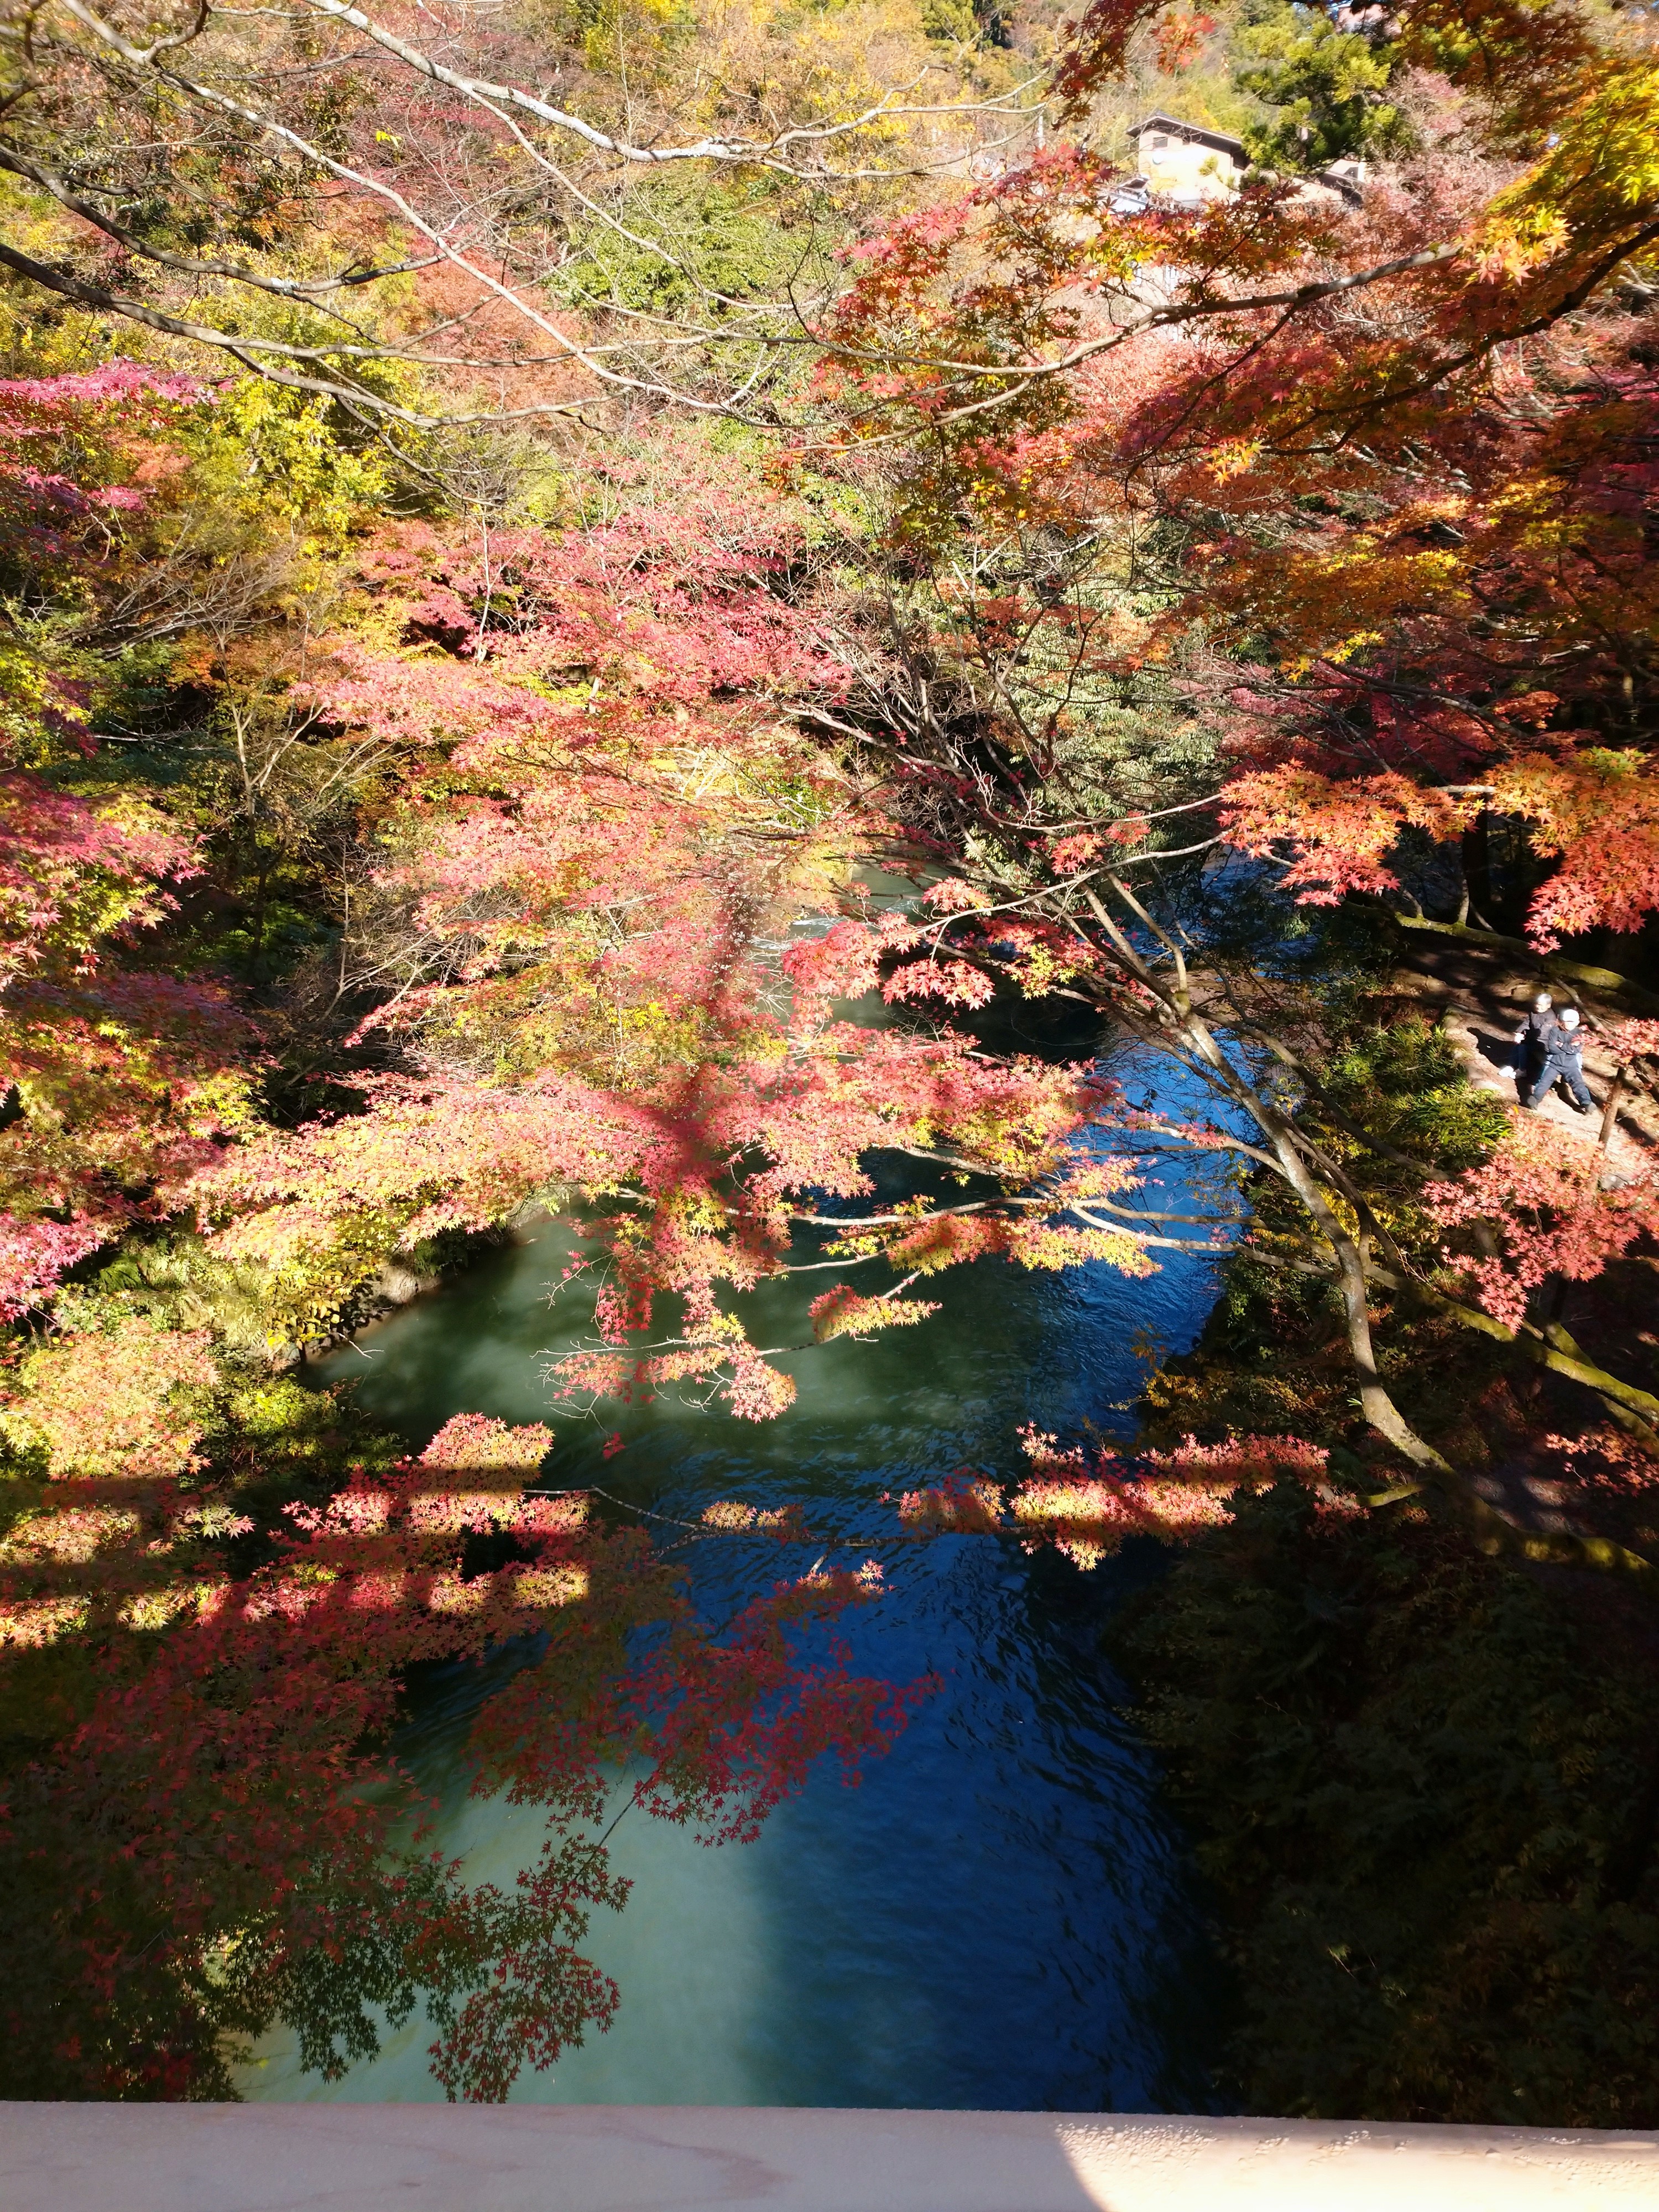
(1533, 1037)
(1564, 1064)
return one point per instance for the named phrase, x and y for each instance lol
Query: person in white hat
(1564, 1063)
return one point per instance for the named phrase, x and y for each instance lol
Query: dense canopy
(590, 593)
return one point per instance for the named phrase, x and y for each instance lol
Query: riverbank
(1419, 1764)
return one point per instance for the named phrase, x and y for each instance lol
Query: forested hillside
(523, 523)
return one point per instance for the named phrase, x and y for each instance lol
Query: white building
(1189, 165)
(1187, 161)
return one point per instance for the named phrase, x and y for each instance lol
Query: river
(1000, 1915)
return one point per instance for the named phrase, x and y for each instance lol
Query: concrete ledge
(618, 2157)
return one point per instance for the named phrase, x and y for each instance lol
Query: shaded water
(999, 1915)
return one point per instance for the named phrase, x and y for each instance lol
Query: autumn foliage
(255, 1720)
(1411, 475)
(410, 815)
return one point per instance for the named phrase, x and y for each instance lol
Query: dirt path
(1482, 999)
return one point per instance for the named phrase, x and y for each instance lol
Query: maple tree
(354, 162)
(118, 1080)
(1394, 522)
(536, 1030)
(1345, 482)
(210, 1617)
(1125, 576)
(571, 922)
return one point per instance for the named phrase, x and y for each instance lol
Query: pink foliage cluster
(964, 1503)
(1634, 1040)
(35, 1256)
(730, 1516)
(35, 1624)
(1597, 816)
(74, 1533)
(843, 1312)
(1336, 555)
(276, 1688)
(70, 869)
(1541, 1200)
(1245, 1460)
(1085, 1504)
(1341, 833)
(918, 963)
(501, 1459)
(41, 502)
(1086, 1514)
(1604, 1459)
(118, 1403)
(124, 1083)
(473, 1440)
(105, 1064)
(454, 1151)
(668, 604)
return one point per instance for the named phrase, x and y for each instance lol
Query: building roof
(1340, 181)
(1200, 131)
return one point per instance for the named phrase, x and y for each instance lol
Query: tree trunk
(1477, 872)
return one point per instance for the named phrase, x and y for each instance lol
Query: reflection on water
(999, 1916)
